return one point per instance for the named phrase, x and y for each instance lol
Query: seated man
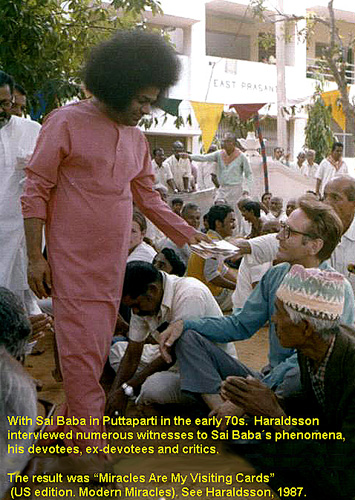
(156, 298)
(276, 210)
(308, 308)
(251, 213)
(214, 273)
(191, 213)
(309, 237)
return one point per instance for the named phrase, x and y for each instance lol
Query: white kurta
(17, 141)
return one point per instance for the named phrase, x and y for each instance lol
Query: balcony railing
(319, 67)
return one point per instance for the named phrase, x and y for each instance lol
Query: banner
(208, 117)
(332, 98)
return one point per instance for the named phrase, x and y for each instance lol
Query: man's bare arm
(39, 274)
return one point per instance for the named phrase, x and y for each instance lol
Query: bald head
(339, 192)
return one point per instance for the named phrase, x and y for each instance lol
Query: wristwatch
(129, 391)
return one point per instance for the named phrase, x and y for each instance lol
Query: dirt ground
(253, 352)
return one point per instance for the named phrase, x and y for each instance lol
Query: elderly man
(180, 167)
(232, 168)
(309, 238)
(309, 167)
(340, 194)
(156, 298)
(330, 167)
(276, 210)
(90, 164)
(308, 308)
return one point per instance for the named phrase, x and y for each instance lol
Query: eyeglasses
(6, 104)
(285, 231)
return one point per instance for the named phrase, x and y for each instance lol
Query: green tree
(319, 135)
(43, 43)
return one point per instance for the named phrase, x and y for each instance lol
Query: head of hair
(15, 327)
(130, 61)
(178, 267)
(337, 144)
(177, 201)
(324, 224)
(139, 218)
(252, 206)
(267, 193)
(157, 150)
(188, 207)
(139, 275)
(349, 190)
(242, 201)
(218, 213)
(229, 136)
(6, 79)
(20, 89)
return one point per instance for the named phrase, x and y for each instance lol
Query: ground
(253, 352)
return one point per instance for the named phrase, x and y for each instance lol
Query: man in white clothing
(17, 140)
(162, 172)
(330, 167)
(180, 167)
(155, 298)
(309, 167)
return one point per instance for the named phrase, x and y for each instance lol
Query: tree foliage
(319, 135)
(43, 43)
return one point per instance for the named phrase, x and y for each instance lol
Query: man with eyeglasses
(308, 238)
(17, 141)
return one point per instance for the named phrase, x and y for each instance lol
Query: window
(228, 45)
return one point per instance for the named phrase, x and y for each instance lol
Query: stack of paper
(218, 249)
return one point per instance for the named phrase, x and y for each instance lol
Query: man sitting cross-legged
(155, 298)
(308, 308)
(309, 237)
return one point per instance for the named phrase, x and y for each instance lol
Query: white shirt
(264, 248)
(309, 170)
(183, 298)
(204, 178)
(162, 174)
(281, 218)
(17, 141)
(344, 254)
(326, 171)
(143, 252)
(179, 168)
(249, 272)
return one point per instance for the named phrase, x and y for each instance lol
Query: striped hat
(313, 292)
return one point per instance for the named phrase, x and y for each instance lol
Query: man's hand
(197, 237)
(243, 246)
(168, 337)
(116, 402)
(254, 397)
(41, 324)
(227, 409)
(39, 277)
